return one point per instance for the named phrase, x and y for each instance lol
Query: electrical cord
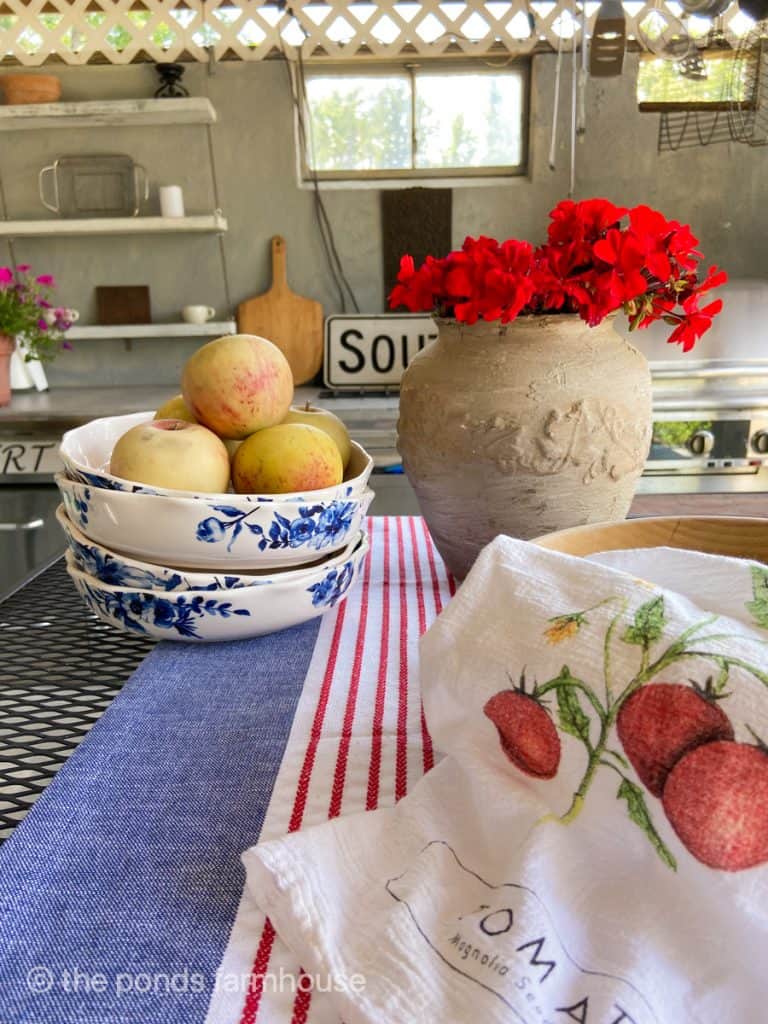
(4, 210)
(298, 91)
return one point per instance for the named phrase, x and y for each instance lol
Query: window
(417, 122)
(726, 82)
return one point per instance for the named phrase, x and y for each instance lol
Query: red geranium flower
(694, 323)
(416, 289)
(582, 222)
(591, 265)
(625, 255)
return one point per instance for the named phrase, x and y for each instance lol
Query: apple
(175, 409)
(323, 420)
(237, 385)
(172, 453)
(286, 458)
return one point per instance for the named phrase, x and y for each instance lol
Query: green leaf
(638, 812)
(720, 683)
(758, 608)
(648, 624)
(573, 719)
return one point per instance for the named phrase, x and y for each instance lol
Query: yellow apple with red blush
(172, 453)
(237, 385)
(289, 458)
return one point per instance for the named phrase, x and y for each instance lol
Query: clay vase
(7, 345)
(522, 429)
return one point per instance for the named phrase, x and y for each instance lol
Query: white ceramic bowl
(213, 535)
(204, 615)
(86, 452)
(117, 569)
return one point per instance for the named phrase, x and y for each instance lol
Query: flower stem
(675, 652)
(607, 651)
(594, 761)
(762, 676)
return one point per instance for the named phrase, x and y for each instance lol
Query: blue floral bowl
(205, 615)
(214, 535)
(121, 570)
(86, 452)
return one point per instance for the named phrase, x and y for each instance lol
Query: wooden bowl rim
(735, 536)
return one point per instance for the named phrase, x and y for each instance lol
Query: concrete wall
(721, 190)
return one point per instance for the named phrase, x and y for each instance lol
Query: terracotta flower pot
(522, 429)
(7, 345)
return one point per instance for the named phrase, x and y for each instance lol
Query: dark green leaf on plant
(573, 719)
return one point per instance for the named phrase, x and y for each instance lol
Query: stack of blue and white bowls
(182, 566)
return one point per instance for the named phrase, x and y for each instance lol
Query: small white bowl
(214, 535)
(86, 452)
(117, 569)
(204, 615)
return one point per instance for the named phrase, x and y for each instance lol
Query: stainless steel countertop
(68, 407)
(77, 405)
(707, 387)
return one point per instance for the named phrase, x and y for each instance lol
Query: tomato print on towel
(674, 741)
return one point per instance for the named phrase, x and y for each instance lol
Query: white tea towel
(594, 847)
(708, 580)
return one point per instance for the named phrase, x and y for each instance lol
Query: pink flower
(42, 324)
(6, 275)
(23, 268)
(45, 279)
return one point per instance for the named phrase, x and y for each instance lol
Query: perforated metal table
(60, 668)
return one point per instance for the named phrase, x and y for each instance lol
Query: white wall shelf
(206, 223)
(212, 329)
(107, 114)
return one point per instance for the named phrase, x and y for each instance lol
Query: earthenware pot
(522, 429)
(7, 345)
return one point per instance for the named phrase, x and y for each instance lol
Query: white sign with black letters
(20, 456)
(372, 352)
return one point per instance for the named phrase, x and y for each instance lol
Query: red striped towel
(359, 741)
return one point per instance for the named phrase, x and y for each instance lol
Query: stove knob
(760, 442)
(702, 442)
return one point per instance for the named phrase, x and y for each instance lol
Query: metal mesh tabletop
(60, 668)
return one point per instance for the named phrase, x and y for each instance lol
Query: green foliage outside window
(675, 435)
(660, 82)
(365, 123)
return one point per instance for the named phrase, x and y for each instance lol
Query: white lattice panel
(121, 31)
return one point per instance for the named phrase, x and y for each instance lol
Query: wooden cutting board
(293, 323)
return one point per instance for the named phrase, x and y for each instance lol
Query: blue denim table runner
(118, 891)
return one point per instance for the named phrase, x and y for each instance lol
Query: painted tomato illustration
(527, 734)
(660, 723)
(716, 800)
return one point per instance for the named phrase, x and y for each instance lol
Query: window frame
(671, 106)
(521, 65)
